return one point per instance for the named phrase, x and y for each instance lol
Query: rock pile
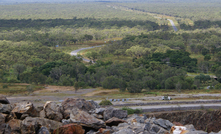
(78, 116)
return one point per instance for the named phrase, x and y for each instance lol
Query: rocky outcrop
(78, 116)
(32, 125)
(84, 119)
(5, 129)
(43, 130)
(114, 121)
(69, 103)
(69, 129)
(15, 126)
(52, 111)
(111, 112)
(6, 108)
(25, 108)
(2, 118)
(4, 100)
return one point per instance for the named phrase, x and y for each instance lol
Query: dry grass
(16, 88)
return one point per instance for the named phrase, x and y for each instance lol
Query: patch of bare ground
(100, 92)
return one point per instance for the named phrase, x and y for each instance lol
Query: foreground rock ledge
(78, 116)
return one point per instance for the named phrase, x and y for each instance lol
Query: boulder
(136, 118)
(84, 119)
(42, 114)
(69, 103)
(25, 108)
(91, 132)
(53, 111)
(114, 121)
(65, 121)
(2, 119)
(30, 124)
(103, 131)
(111, 112)
(24, 116)
(43, 130)
(98, 116)
(163, 123)
(6, 108)
(190, 127)
(99, 110)
(94, 104)
(5, 129)
(125, 131)
(120, 113)
(69, 129)
(15, 126)
(4, 100)
(8, 117)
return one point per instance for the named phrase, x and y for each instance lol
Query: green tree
(19, 68)
(134, 87)
(205, 51)
(207, 57)
(76, 86)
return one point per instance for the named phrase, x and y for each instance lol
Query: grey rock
(24, 116)
(95, 104)
(196, 132)
(65, 122)
(4, 100)
(108, 113)
(111, 112)
(25, 108)
(84, 119)
(39, 108)
(123, 124)
(91, 132)
(15, 126)
(163, 123)
(30, 124)
(125, 131)
(162, 131)
(138, 127)
(99, 110)
(115, 129)
(120, 113)
(5, 129)
(148, 126)
(6, 108)
(42, 114)
(215, 133)
(190, 127)
(98, 116)
(139, 119)
(2, 119)
(155, 128)
(70, 103)
(53, 111)
(43, 130)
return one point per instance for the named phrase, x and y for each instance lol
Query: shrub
(5, 86)
(105, 103)
(13, 81)
(132, 111)
(218, 86)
